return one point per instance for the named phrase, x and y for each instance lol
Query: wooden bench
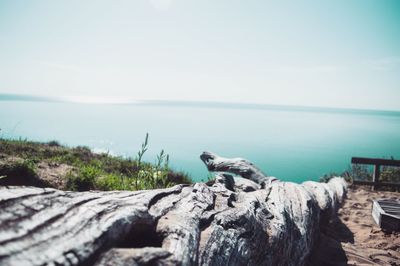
(377, 163)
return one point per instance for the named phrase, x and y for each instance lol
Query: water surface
(292, 143)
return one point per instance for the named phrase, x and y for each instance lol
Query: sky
(314, 53)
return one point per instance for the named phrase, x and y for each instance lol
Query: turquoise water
(292, 143)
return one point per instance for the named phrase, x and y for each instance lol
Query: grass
(91, 171)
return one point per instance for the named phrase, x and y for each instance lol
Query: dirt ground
(354, 238)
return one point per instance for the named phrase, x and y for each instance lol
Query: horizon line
(193, 103)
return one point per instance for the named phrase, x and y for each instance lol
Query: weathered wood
(375, 176)
(375, 161)
(187, 225)
(237, 166)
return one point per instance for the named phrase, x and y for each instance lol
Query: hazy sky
(322, 53)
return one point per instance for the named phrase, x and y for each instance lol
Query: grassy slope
(88, 171)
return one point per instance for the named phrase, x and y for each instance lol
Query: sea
(292, 143)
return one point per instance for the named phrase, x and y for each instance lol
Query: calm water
(292, 144)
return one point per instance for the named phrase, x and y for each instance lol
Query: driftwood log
(231, 222)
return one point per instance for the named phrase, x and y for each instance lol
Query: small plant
(141, 152)
(326, 177)
(112, 182)
(390, 174)
(210, 177)
(151, 177)
(161, 174)
(360, 172)
(85, 179)
(143, 149)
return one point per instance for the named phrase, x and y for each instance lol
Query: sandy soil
(354, 238)
(53, 174)
(47, 174)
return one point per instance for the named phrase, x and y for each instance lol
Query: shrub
(20, 173)
(84, 180)
(20, 168)
(112, 182)
(53, 143)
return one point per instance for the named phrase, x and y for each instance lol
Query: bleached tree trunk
(225, 223)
